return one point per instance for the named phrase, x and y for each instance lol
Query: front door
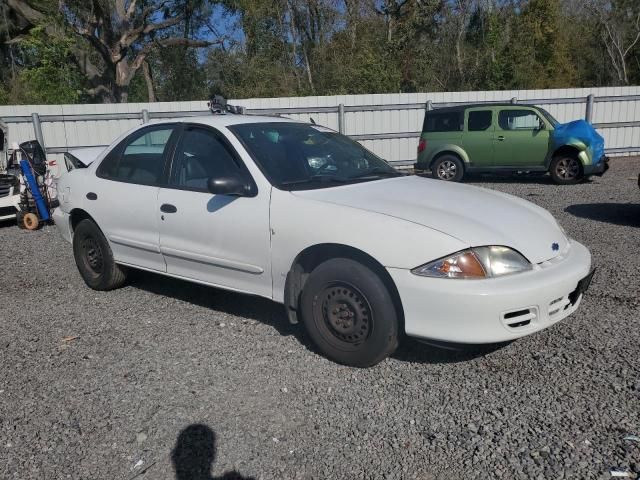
(521, 138)
(218, 239)
(478, 136)
(123, 198)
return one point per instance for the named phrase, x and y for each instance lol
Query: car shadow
(624, 214)
(273, 314)
(195, 453)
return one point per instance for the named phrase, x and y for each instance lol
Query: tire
(30, 221)
(349, 313)
(94, 258)
(448, 168)
(566, 170)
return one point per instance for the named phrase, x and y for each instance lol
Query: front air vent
(519, 319)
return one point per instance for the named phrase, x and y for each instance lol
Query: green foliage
(50, 76)
(269, 48)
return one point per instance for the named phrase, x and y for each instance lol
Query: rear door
(519, 140)
(478, 136)
(123, 195)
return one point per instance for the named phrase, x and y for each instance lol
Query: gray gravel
(101, 385)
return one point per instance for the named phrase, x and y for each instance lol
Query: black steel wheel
(349, 313)
(94, 258)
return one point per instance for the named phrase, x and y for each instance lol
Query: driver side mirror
(541, 125)
(232, 185)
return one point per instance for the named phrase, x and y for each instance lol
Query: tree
(119, 36)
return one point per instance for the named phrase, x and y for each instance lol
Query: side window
(141, 158)
(201, 155)
(479, 120)
(442, 122)
(518, 120)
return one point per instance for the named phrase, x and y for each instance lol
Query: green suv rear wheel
(448, 168)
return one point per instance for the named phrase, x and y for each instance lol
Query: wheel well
(77, 215)
(446, 152)
(311, 257)
(566, 150)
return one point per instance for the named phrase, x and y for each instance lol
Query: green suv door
(521, 138)
(478, 136)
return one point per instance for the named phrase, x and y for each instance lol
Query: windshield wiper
(377, 172)
(316, 179)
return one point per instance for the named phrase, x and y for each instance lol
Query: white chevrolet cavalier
(309, 218)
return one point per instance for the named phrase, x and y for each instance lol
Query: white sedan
(300, 214)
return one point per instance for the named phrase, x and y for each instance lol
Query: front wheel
(94, 258)
(349, 313)
(448, 168)
(566, 170)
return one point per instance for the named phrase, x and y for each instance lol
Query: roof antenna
(312, 120)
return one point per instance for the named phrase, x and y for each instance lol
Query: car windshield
(297, 156)
(549, 117)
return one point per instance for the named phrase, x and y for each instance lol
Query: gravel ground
(162, 376)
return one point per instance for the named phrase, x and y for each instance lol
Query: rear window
(443, 121)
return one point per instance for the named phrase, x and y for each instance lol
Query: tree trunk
(151, 93)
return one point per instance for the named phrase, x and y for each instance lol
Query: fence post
(588, 114)
(145, 116)
(341, 118)
(429, 105)
(37, 128)
(514, 100)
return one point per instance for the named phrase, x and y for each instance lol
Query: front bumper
(599, 168)
(492, 310)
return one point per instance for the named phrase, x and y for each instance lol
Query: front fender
(298, 223)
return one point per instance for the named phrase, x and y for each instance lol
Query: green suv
(508, 137)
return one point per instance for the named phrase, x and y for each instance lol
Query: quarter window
(140, 159)
(443, 122)
(518, 120)
(479, 120)
(201, 155)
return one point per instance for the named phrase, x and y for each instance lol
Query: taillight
(422, 145)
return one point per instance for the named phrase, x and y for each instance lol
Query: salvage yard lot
(100, 385)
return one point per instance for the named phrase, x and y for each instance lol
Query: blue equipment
(32, 185)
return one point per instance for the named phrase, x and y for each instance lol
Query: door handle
(92, 196)
(500, 138)
(168, 208)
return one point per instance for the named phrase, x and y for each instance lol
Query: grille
(518, 319)
(559, 305)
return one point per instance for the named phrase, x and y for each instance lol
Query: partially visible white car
(309, 218)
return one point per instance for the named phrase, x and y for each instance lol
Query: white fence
(388, 124)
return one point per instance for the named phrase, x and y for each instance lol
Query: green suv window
(479, 120)
(518, 120)
(443, 122)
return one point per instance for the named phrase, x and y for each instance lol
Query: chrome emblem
(555, 247)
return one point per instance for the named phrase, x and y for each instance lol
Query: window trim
(519, 109)
(118, 151)
(242, 167)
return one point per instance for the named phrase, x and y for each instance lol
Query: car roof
(226, 120)
(465, 106)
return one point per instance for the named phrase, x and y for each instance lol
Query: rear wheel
(448, 168)
(349, 313)
(94, 258)
(566, 170)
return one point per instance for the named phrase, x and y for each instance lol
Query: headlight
(476, 263)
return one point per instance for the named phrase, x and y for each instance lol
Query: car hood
(473, 215)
